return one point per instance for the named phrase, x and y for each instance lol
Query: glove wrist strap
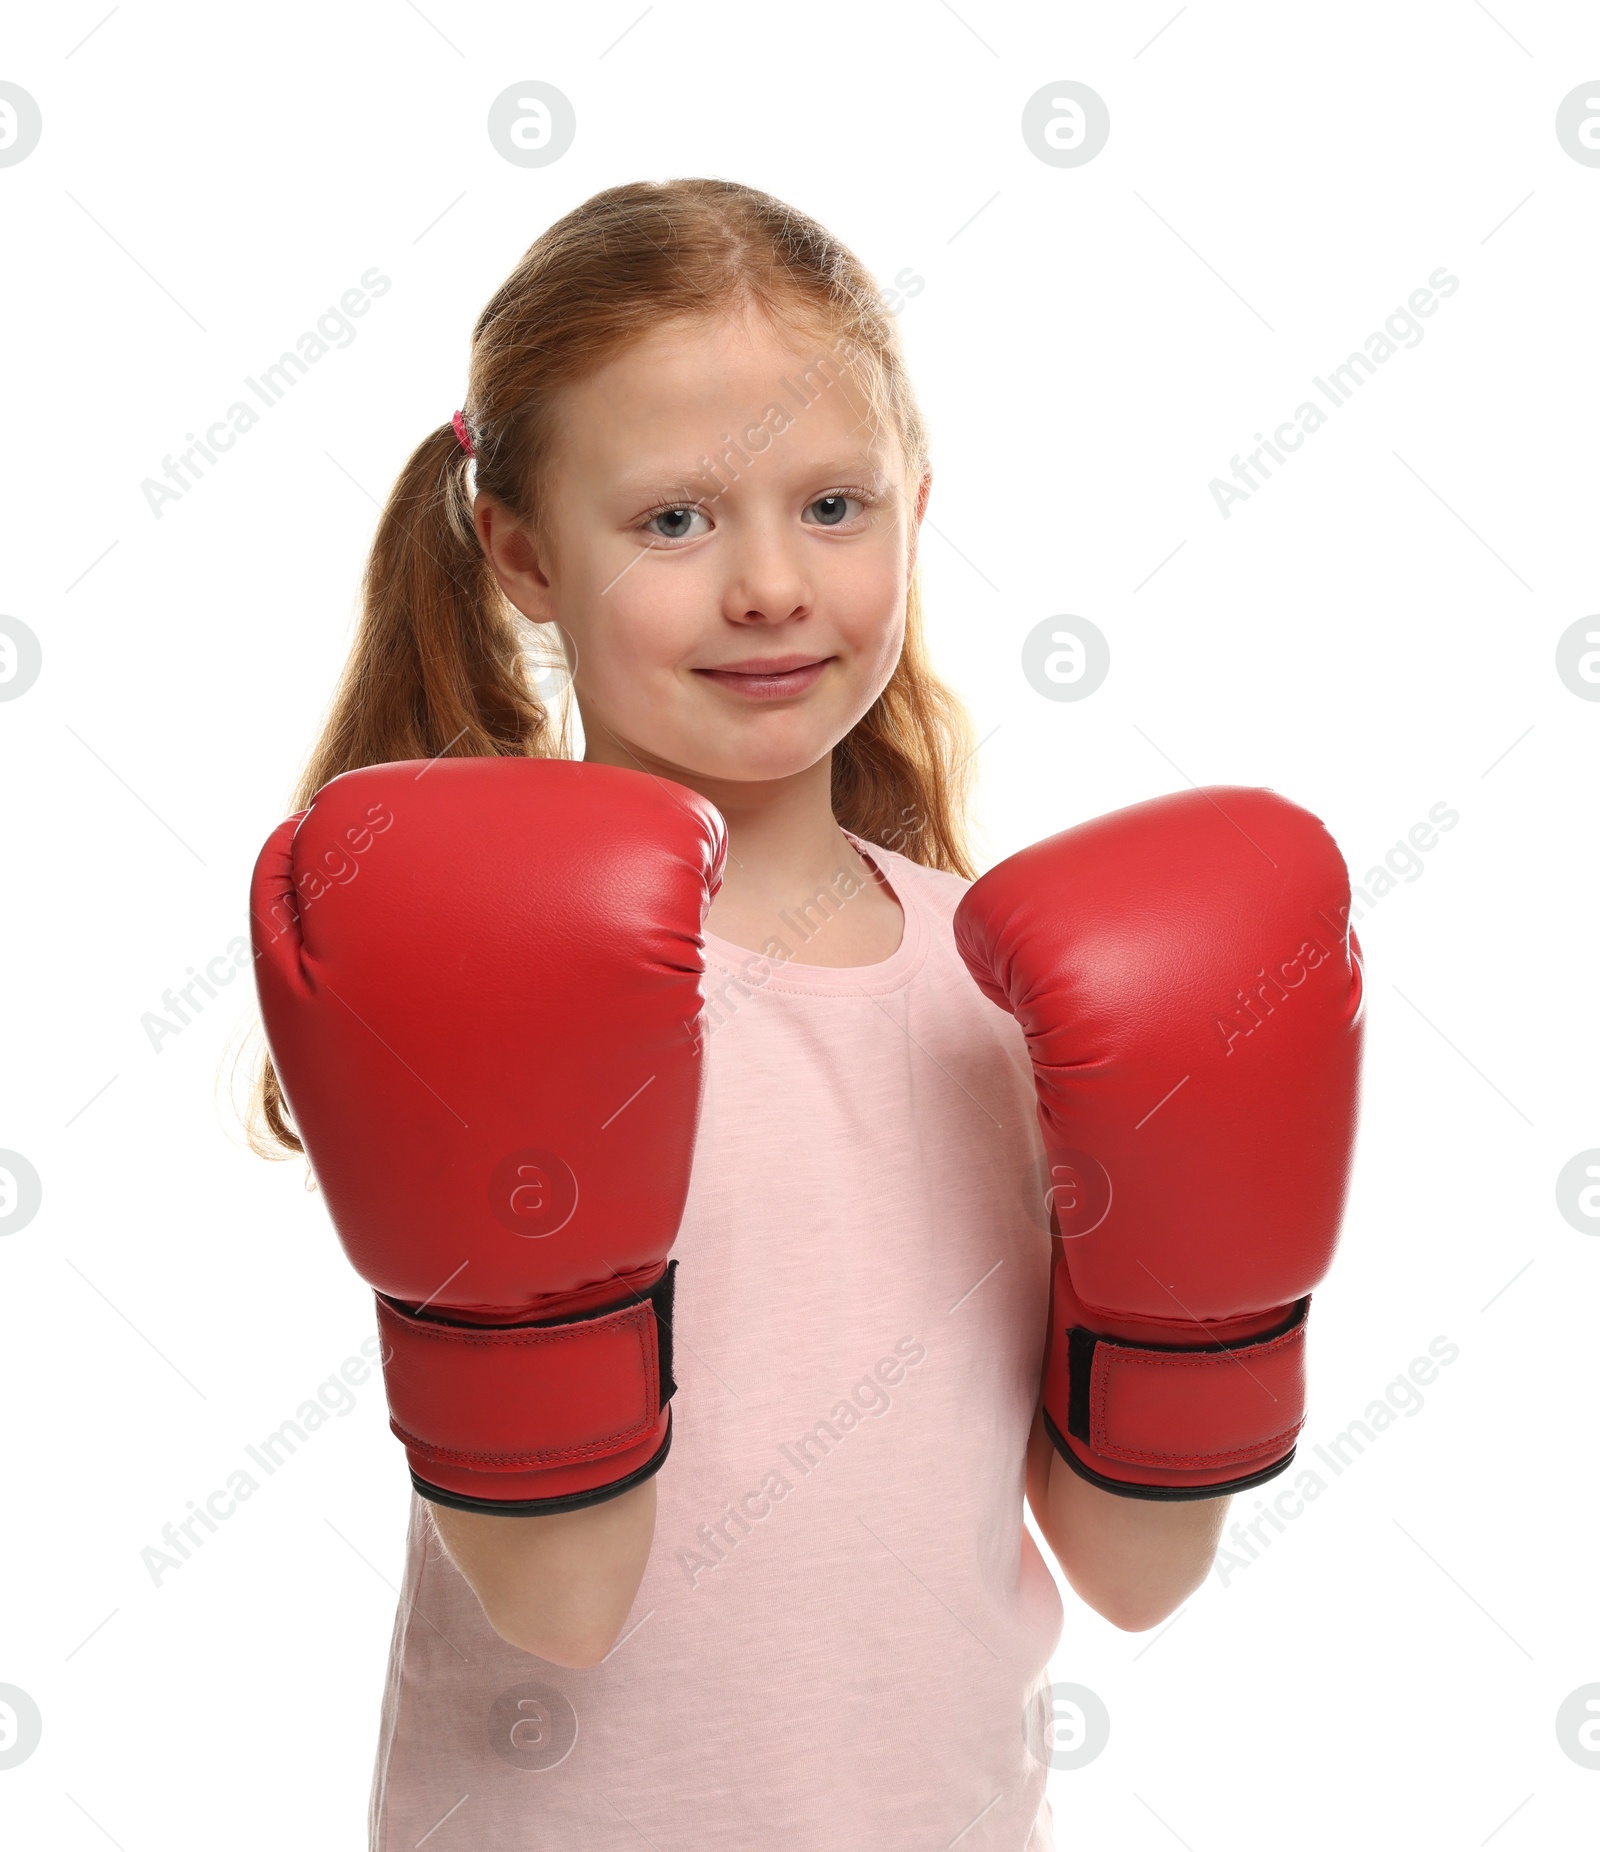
(537, 1417)
(1170, 1421)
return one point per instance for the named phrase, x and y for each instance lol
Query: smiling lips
(768, 678)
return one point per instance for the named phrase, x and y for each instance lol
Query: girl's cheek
(871, 602)
(640, 640)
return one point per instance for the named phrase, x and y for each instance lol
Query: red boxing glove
(480, 980)
(1191, 994)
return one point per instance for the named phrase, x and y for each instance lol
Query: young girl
(690, 453)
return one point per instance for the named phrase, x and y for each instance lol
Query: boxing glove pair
(479, 980)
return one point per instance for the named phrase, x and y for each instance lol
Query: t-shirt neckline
(836, 980)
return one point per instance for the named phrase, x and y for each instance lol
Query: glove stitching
(583, 1454)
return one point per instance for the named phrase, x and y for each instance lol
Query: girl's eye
(834, 510)
(674, 523)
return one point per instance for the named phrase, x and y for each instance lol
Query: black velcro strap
(661, 1299)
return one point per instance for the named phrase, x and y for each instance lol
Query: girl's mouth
(770, 678)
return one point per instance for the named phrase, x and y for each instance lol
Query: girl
(690, 452)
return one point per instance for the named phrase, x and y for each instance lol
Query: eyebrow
(854, 466)
(657, 488)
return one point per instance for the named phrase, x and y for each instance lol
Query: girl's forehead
(680, 389)
(724, 347)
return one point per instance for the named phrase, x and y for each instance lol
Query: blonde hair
(439, 664)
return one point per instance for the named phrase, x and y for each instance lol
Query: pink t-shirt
(843, 1630)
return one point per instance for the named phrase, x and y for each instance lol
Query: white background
(1373, 633)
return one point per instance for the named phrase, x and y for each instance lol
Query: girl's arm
(1132, 1559)
(558, 1587)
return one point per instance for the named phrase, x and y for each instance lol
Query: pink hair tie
(463, 436)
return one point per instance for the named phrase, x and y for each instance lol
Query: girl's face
(727, 543)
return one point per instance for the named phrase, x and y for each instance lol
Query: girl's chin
(736, 761)
(758, 746)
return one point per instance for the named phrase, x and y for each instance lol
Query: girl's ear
(919, 508)
(514, 557)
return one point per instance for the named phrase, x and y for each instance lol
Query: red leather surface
(594, 1383)
(1191, 996)
(1198, 1410)
(479, 980)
